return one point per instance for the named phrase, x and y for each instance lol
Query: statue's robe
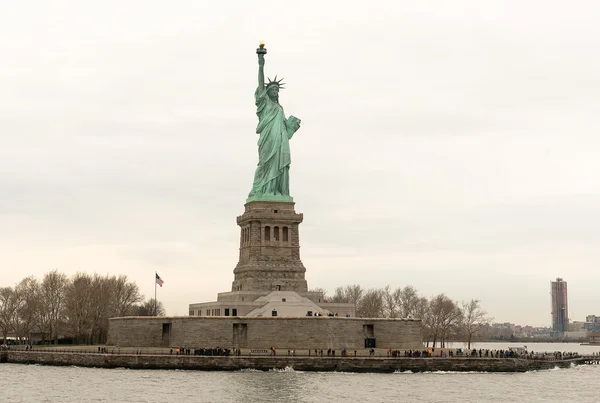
(272, 173)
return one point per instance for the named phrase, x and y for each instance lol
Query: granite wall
(264, 332)
(265, 363)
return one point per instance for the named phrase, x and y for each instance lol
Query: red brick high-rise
(560, 305)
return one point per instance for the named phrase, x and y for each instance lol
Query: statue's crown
(276, 82)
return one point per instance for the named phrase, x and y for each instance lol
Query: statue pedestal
(270, 198)
(269, 249)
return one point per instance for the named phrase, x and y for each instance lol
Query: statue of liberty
(272, 176)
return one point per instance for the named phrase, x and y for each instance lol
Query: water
(33, 383)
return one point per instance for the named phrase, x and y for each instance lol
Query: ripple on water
(34, 383)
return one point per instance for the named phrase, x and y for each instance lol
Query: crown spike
(278, 82)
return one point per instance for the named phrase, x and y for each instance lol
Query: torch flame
(261, 44)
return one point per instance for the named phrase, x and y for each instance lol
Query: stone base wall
(264, 332)
(342, 364)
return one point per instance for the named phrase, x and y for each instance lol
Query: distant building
(560, 306)
(592, 323)
(576, 326)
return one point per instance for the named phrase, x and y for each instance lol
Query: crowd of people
(425, 353)
(519, 352)
(215, 351)
(410, 353)
(484, 353)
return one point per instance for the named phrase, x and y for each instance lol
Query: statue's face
(273, 92)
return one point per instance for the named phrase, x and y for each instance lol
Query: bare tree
(407, 300)
(125, 295)
(371, 305)
(42, 319)
(339, 296)
(354, 293)
(102, 305)
(53, 293)
(150, 308)
(6, 311)
(421, 310)
(444, 315)
(351, 294)
(90, 300)
(391, 307)
(474, 319)
(16, 304)
(78, 307)
(28, 305)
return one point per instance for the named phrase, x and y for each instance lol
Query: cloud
(449, 146)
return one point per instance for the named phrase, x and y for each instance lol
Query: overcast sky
(450, 145)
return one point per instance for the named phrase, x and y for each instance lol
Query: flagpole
(155, 274)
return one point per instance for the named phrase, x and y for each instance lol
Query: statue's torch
(261, 50)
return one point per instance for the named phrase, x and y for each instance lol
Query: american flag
(159, 280)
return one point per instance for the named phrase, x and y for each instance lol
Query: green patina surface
(272, 175)
(270, 197)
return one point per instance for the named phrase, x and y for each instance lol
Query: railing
(106, 350)
(285, 353)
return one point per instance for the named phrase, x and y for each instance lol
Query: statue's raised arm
(261, 52)
(271, 179)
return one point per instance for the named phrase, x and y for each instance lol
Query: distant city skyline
(449, 146)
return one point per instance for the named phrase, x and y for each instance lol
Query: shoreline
(299, 363)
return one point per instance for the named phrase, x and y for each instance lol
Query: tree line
(443, 318)
(75, 309)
